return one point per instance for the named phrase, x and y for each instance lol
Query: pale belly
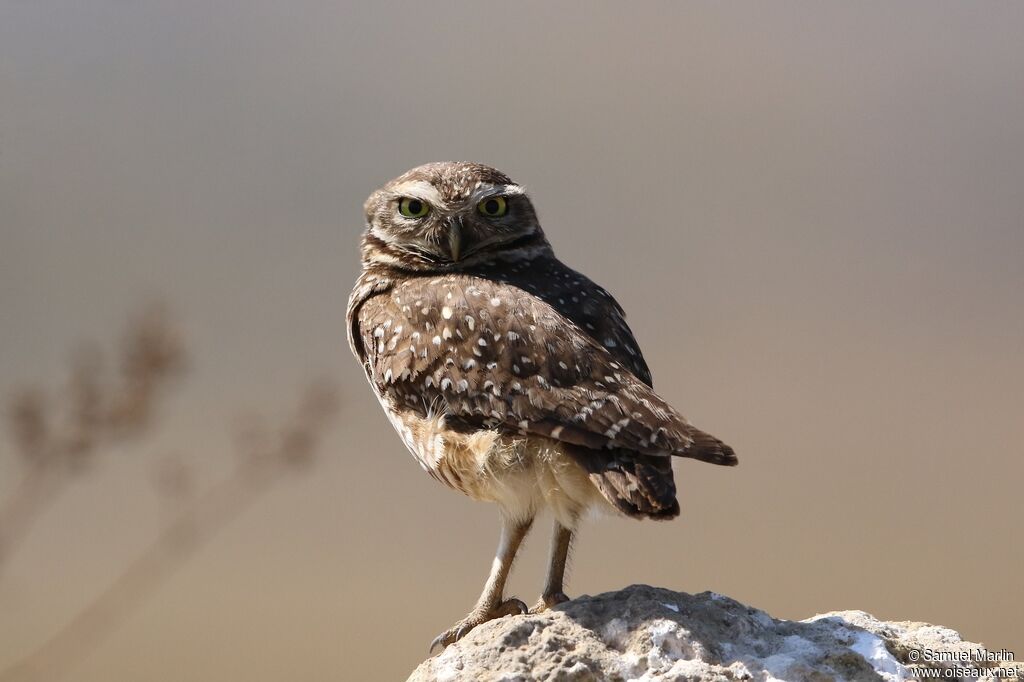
(522, 474)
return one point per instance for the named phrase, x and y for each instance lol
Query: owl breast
(522, 474)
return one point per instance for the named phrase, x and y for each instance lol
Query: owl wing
(493, 355)
(593, 310)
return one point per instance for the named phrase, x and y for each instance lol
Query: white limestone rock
(646, 633)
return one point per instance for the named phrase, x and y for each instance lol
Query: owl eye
(493, 207)
(413, 208)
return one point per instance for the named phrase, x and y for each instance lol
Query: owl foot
(509, 607)
(549, 600)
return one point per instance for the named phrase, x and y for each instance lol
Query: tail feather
(637, 485)
(709, 449)
(642, 486)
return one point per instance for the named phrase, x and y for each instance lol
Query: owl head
(450, 216)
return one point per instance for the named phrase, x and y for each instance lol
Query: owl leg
(561, 539)
(490, 605)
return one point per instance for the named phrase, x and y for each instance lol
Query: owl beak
(455, 239)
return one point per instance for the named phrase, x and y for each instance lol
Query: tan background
(813, 213)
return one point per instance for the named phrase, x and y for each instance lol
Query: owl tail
(709, 449)
(640, 486)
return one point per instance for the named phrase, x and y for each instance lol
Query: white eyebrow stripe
(488, 190)
(418, 189)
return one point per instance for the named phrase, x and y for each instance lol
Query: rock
(648, 633)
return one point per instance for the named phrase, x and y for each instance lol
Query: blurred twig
(264, 455)
(57, 439)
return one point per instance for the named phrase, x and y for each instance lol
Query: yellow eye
(413, 208)
(493, 207)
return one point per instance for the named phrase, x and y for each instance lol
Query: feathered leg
(490, 605)
(561, 539)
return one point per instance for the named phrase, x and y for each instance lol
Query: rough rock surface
(648, 633)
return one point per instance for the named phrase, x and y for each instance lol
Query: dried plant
(263, 459)
(101, 416)
(58, 436)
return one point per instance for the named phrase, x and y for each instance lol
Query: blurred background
(826, 198)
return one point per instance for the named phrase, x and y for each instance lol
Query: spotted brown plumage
(508, 375)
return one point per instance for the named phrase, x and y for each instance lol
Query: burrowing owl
(511, 377)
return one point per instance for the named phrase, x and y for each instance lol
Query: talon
(549, 600)
(509, 607)
(437, 644)
(556, 598)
